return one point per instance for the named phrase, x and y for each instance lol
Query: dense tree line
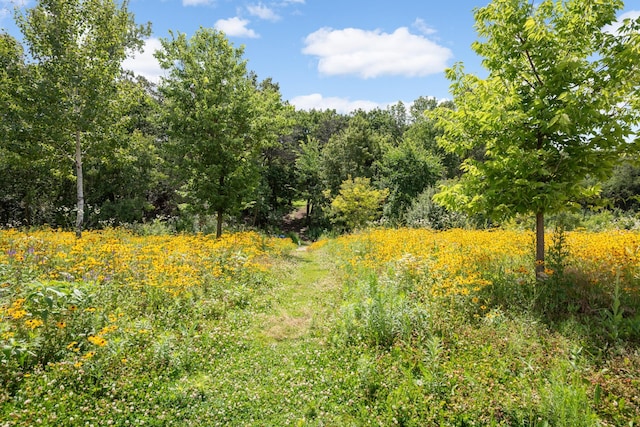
(86, 144)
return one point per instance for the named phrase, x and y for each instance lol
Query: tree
(308, 170)
(127, 176)
(79, 45)
(357, 203)
(277, 190)
(553, 110)
(422, 130)
(353, 152)
(390, 122)
(218, 120)
(623, 188)
(406, 170)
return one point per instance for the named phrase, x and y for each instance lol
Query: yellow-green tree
(357, 203)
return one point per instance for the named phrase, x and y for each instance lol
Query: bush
(357, 204)
(425, 213)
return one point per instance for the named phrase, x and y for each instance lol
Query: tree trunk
(79, 187)
(539, 245)
(219, 224)
(220, 210)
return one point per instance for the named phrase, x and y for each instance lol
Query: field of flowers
(461, 262)
(72, 302)
(488, 341)
(423, 328)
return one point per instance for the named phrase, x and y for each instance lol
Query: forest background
(214, 144)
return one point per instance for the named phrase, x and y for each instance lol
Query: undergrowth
(442, 329)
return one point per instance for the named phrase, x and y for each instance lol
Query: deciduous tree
(357, 203)
(218, 119)
(553, 109)
(79, 46)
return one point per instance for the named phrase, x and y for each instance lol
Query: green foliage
(43, 319)
(622, 189)
(354, 152)
(424, 212)
(357, 203)
(406, 170)
(308, 170)
(542, 124)
(381, 314)
(391, 122)
(424, 132)
(78, 47)
(218, 120)
(565, 401)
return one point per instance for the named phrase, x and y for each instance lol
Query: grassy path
(278, 367)
(307, 301)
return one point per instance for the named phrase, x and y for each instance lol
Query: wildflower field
(384, 327)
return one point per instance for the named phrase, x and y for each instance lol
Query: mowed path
(275, 364)
(307, 301)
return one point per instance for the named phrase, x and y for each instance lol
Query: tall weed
(380, 314)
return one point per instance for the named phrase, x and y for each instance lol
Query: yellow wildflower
(96, 340)
(33, 323)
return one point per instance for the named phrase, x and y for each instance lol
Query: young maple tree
(555, 108)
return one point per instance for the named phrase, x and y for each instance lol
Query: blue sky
(327, 53)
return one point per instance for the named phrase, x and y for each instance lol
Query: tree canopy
(79, 46)
(554, 109)
(219, 120)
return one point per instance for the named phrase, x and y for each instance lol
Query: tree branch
(530, 60)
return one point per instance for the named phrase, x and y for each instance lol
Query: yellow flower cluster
(111, 259)
(456, 262)
(174, 263)
(97, 340)
(606, 255)
(15, 311)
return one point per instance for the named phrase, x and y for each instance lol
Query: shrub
(357, 204)
(424, 212)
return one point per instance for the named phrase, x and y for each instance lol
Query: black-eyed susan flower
(97, 340)
(33, 323)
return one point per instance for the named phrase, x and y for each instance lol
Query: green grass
(303, 351)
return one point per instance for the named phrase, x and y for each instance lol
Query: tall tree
(79, 45)
(219, 119)
(553, 110)
(407, 170)
(353, 152)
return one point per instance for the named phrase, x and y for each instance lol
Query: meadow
(383, 327)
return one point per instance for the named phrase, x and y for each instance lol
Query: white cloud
(235, 27)
(613, 28)
(196, 2)
(263, 12)
(422, 26)
(341, 105)
(8, 6)
(373, 53)
(144, 63)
